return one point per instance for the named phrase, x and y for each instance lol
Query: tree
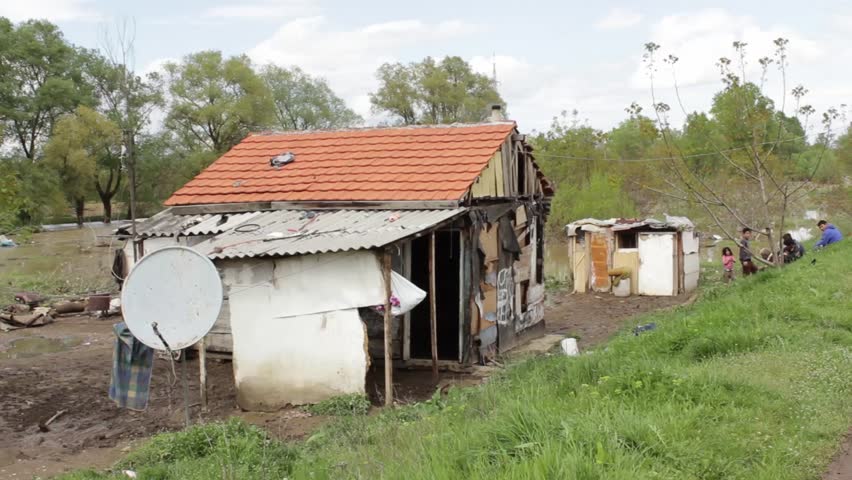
(85, 150)
(41, 80)
(216, 102)
(569, 152)
(126, 98)
(166, 166)
(303, 102)
(603, 196)
(755, 141)
(431, 92)
(843, 150)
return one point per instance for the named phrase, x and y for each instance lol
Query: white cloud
(348, 59)
(263, 10)
(618, 18)
(700, 39)
(53, 10)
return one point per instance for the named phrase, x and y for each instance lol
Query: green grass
(751, 382)
(341, 406)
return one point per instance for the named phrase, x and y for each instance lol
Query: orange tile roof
(377, 164)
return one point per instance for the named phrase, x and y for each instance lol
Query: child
(728, 262)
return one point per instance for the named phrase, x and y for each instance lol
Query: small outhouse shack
(305, 228)
(660, 257)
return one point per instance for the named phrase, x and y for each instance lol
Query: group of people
(791, 250)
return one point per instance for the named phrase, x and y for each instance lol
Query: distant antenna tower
(494, 81)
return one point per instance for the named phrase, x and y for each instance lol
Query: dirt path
(70, 371)
(593, 318)
(841, 467)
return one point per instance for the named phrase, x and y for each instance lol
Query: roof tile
(379, 164)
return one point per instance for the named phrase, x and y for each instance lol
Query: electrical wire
(658, 159)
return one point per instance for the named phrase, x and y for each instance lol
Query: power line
(659, 159)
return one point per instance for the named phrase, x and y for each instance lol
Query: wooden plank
(433, 321)
(521, 216)
(488, 241)
(386, 270)
(497, 162)
(202, 373)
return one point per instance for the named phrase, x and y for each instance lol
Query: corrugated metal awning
(299, 232)
(168, 224)
(616, 224)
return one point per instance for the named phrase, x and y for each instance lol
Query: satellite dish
(178, 290)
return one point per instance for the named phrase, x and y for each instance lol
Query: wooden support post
(386, 269)
(433, 318)
(202, 373)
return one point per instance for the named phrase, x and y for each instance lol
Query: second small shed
(661, 256)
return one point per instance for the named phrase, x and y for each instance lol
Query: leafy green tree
(166, 165)
(303, 102)
(570, 151)
(40, 80)
(432, 92)
(603, 196)
(843, 151)
(85, 151)
(215, 101)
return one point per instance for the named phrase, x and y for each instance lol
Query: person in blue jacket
(830, 234)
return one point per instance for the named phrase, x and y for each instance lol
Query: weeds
(742, 385)
(341, 406)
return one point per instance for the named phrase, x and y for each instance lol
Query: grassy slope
(752, 382)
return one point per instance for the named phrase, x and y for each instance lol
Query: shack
(305, 228)
(661, 257)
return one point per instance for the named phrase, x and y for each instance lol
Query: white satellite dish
(178, 290)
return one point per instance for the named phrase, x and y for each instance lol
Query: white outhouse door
(656, 264)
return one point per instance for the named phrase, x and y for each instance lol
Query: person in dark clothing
(793, 250)
(749, 267)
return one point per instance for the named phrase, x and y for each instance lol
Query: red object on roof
(377, 164)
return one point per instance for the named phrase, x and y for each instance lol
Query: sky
(550, 56)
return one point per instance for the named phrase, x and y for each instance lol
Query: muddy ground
(66, 366)
(593, 318)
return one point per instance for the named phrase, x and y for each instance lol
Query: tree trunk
(79, 209)
(107, 202)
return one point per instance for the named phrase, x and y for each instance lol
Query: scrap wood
(40, 316)
(43, 426)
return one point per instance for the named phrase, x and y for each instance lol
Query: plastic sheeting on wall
(306, 284)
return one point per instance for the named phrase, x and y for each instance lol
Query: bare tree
(128, 98)
(753, 156)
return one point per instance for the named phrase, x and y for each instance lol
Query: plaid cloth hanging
(132, 363)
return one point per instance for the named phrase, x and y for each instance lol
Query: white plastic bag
(569, 347)
(404, 296)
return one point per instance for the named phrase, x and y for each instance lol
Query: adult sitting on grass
(830, 234)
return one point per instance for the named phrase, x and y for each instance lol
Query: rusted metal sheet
(600, 262)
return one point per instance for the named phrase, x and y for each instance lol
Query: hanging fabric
(132, 364)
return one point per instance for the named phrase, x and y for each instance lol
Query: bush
(603, 197)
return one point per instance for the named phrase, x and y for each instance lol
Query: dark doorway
(447, 278)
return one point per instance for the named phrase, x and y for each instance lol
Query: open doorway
(447, 298)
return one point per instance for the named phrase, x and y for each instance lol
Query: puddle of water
(34, 346)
